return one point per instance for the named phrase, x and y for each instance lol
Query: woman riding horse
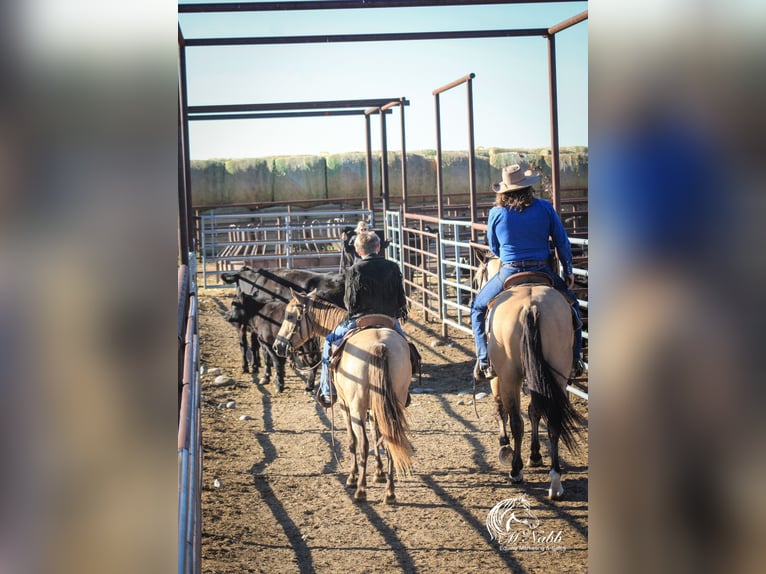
(530, 340)
(518, 228)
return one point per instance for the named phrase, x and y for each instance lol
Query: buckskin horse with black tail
(529, 337)
(372, 375)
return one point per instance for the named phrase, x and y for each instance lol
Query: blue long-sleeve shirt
(523, 236)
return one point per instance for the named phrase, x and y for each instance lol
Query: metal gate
(270, 239)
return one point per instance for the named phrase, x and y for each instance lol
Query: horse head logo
(519, 510)
(509, 518)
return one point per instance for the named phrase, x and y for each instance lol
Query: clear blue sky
(510, 89)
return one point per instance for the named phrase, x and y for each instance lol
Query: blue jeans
(333, 336)
(493, 287)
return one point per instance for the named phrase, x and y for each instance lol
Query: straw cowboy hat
(514, 179)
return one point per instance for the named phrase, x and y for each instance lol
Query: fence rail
(437, 263)
(290, 239)
(189, 453)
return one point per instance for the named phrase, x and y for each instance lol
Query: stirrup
(483, 372)
(577, 369)
(323, 402)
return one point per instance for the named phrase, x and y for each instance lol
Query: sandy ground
(282, 506)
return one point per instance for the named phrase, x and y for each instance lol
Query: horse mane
(324, 314)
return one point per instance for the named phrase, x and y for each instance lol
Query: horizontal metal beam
(286, 106)
(393, 37)
(341, 5)
(451, 85)
(568, 23)
(257, 115)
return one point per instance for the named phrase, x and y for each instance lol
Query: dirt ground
(281, 504)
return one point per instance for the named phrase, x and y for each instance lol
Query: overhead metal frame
(250, 111)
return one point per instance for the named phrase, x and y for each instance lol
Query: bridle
(301, 319)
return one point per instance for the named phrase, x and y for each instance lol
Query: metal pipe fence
(435, 256)
(289, 239)
(189, 436)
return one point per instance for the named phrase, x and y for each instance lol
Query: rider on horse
(374, 285)
(518, 228)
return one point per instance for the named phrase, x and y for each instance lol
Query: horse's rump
(549, 395)
(381, 357)
(531, 334)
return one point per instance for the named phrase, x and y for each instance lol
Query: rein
(302, 354)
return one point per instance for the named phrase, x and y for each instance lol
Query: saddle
(534, 278)
(523, 278)
(528, 278)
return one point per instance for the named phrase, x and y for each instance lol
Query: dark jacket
(374, 285)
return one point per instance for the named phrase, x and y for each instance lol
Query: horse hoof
(280, 388)
(557, 494)
(360, 496)
(518, 478)
(380, 477)
(390, 499)
(505, 455)
(351, 482)
(534, 462)
(556, 490)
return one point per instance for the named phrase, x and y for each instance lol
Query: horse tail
(388, 411)
(547, 395)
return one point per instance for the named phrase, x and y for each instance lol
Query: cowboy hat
(514, 178)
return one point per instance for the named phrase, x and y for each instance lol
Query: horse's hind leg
(255, 349)
(380, 476)
(352, 476)
(517, 430)
(390, 494)
(556, 490)
(535, 458)
(501, 416)
(362, 444)
(243, 348)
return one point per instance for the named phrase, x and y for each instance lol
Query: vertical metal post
(471, 158)
(404, 159)
(438, 157)
(185, 133)
(383, 161)
(555, 164)
(368, 142)
(183, 227)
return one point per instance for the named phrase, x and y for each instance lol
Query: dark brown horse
(260, 320)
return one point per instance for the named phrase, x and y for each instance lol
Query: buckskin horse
(529, 337)
(372, 375)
